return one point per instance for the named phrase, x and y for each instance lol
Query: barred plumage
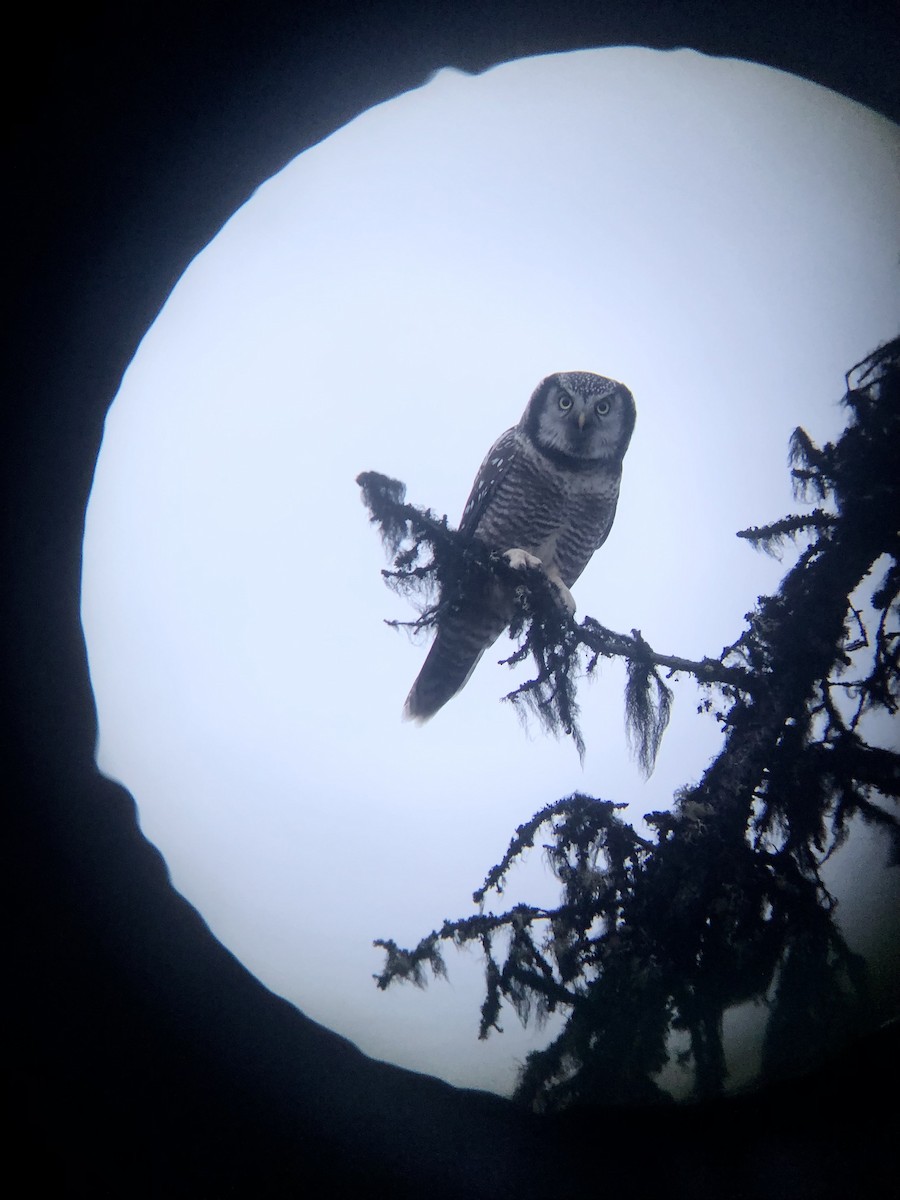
(547, 490)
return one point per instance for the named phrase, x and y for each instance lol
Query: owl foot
(519, 559)
(566, 597)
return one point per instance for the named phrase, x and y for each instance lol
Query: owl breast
(560, 516)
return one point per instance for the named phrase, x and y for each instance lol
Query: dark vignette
(146, 1060)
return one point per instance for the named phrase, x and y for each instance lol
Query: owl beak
(581, 417)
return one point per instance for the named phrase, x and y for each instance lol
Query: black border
(145, 1059)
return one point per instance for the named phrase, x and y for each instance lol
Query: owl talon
(565, 596)
(519, 559)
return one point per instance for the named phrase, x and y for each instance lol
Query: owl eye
(565, 402)
(601, 408)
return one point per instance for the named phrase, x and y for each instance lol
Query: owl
(545, 496)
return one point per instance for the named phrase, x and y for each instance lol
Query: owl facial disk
(580, 415)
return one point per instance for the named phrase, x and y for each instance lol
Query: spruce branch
(436, 567)
(771, 538)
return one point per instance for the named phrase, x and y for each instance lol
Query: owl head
(580, 417)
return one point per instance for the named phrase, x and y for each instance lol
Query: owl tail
(455, 654)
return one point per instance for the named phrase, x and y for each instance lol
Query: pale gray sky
(720, 236)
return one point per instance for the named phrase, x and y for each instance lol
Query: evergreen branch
(458, 567)
(399, 522)
(707, 671)
(522, 840)
(811, 468)
(576, 818)
(770, 538)
(849, 758)
(407, 965)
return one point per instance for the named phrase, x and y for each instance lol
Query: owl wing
(464, 635)
(494, 468)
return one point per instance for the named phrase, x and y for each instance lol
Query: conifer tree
(725, 902)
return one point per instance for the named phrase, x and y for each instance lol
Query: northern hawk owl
(545, 495)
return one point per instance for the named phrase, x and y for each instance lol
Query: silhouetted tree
(725, 901)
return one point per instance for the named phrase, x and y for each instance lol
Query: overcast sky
(720, 236)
